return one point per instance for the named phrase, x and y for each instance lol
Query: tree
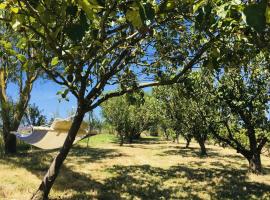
(172, 108)
(90, 45)
(94, 122)
(243, 100)
(17, 65)
(151, 114)
(183, 104)
(34, 116)
(126, 115)
(245, 40)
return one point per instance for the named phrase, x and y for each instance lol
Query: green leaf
(7, 45)
(21, 57)
(198, 5)
(133, 15)
(3, 6)
(63, 93)
(14, 10)
(86, 6)
(90, 8)
(21, 43)
(255, 15)
(140, 14)
(54, 61)
(25, 65)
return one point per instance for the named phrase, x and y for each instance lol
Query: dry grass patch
(149, 169)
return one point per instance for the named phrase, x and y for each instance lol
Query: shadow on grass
(141, 140)
(37, 162)
(189, 152)
(89, 154)
(146, 182)
(37, 159)
(148, 140)
(21, 146)
(218, 181)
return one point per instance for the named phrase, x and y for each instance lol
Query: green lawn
(150, 169)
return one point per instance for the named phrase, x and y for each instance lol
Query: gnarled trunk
(48, 180)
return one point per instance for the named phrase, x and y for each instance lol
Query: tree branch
(176, 79)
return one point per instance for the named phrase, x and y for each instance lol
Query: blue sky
(45, 97)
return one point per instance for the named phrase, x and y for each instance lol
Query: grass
(150, 169)
(100, 139)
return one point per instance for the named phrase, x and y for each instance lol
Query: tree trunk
(121, 139)
(137, 136)
(188, 139)
(48, 180)
(177, 139)
(10, 143)
(130, 138)
(202, 146)
(255, 165)
(166, 135)
(9, 139)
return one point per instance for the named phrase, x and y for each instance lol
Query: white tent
(51, 137)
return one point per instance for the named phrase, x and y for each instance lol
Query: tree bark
(166, 135)
(188, 139)
(130, 138)
(254, 160)
(10, 140)
(48, 180)
(202, 147)
(253, 155)
(10, 143)
(255, 165)
(121, 139)
(176, 138)
(137, 136)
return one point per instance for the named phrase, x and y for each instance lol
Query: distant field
(150, 169)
